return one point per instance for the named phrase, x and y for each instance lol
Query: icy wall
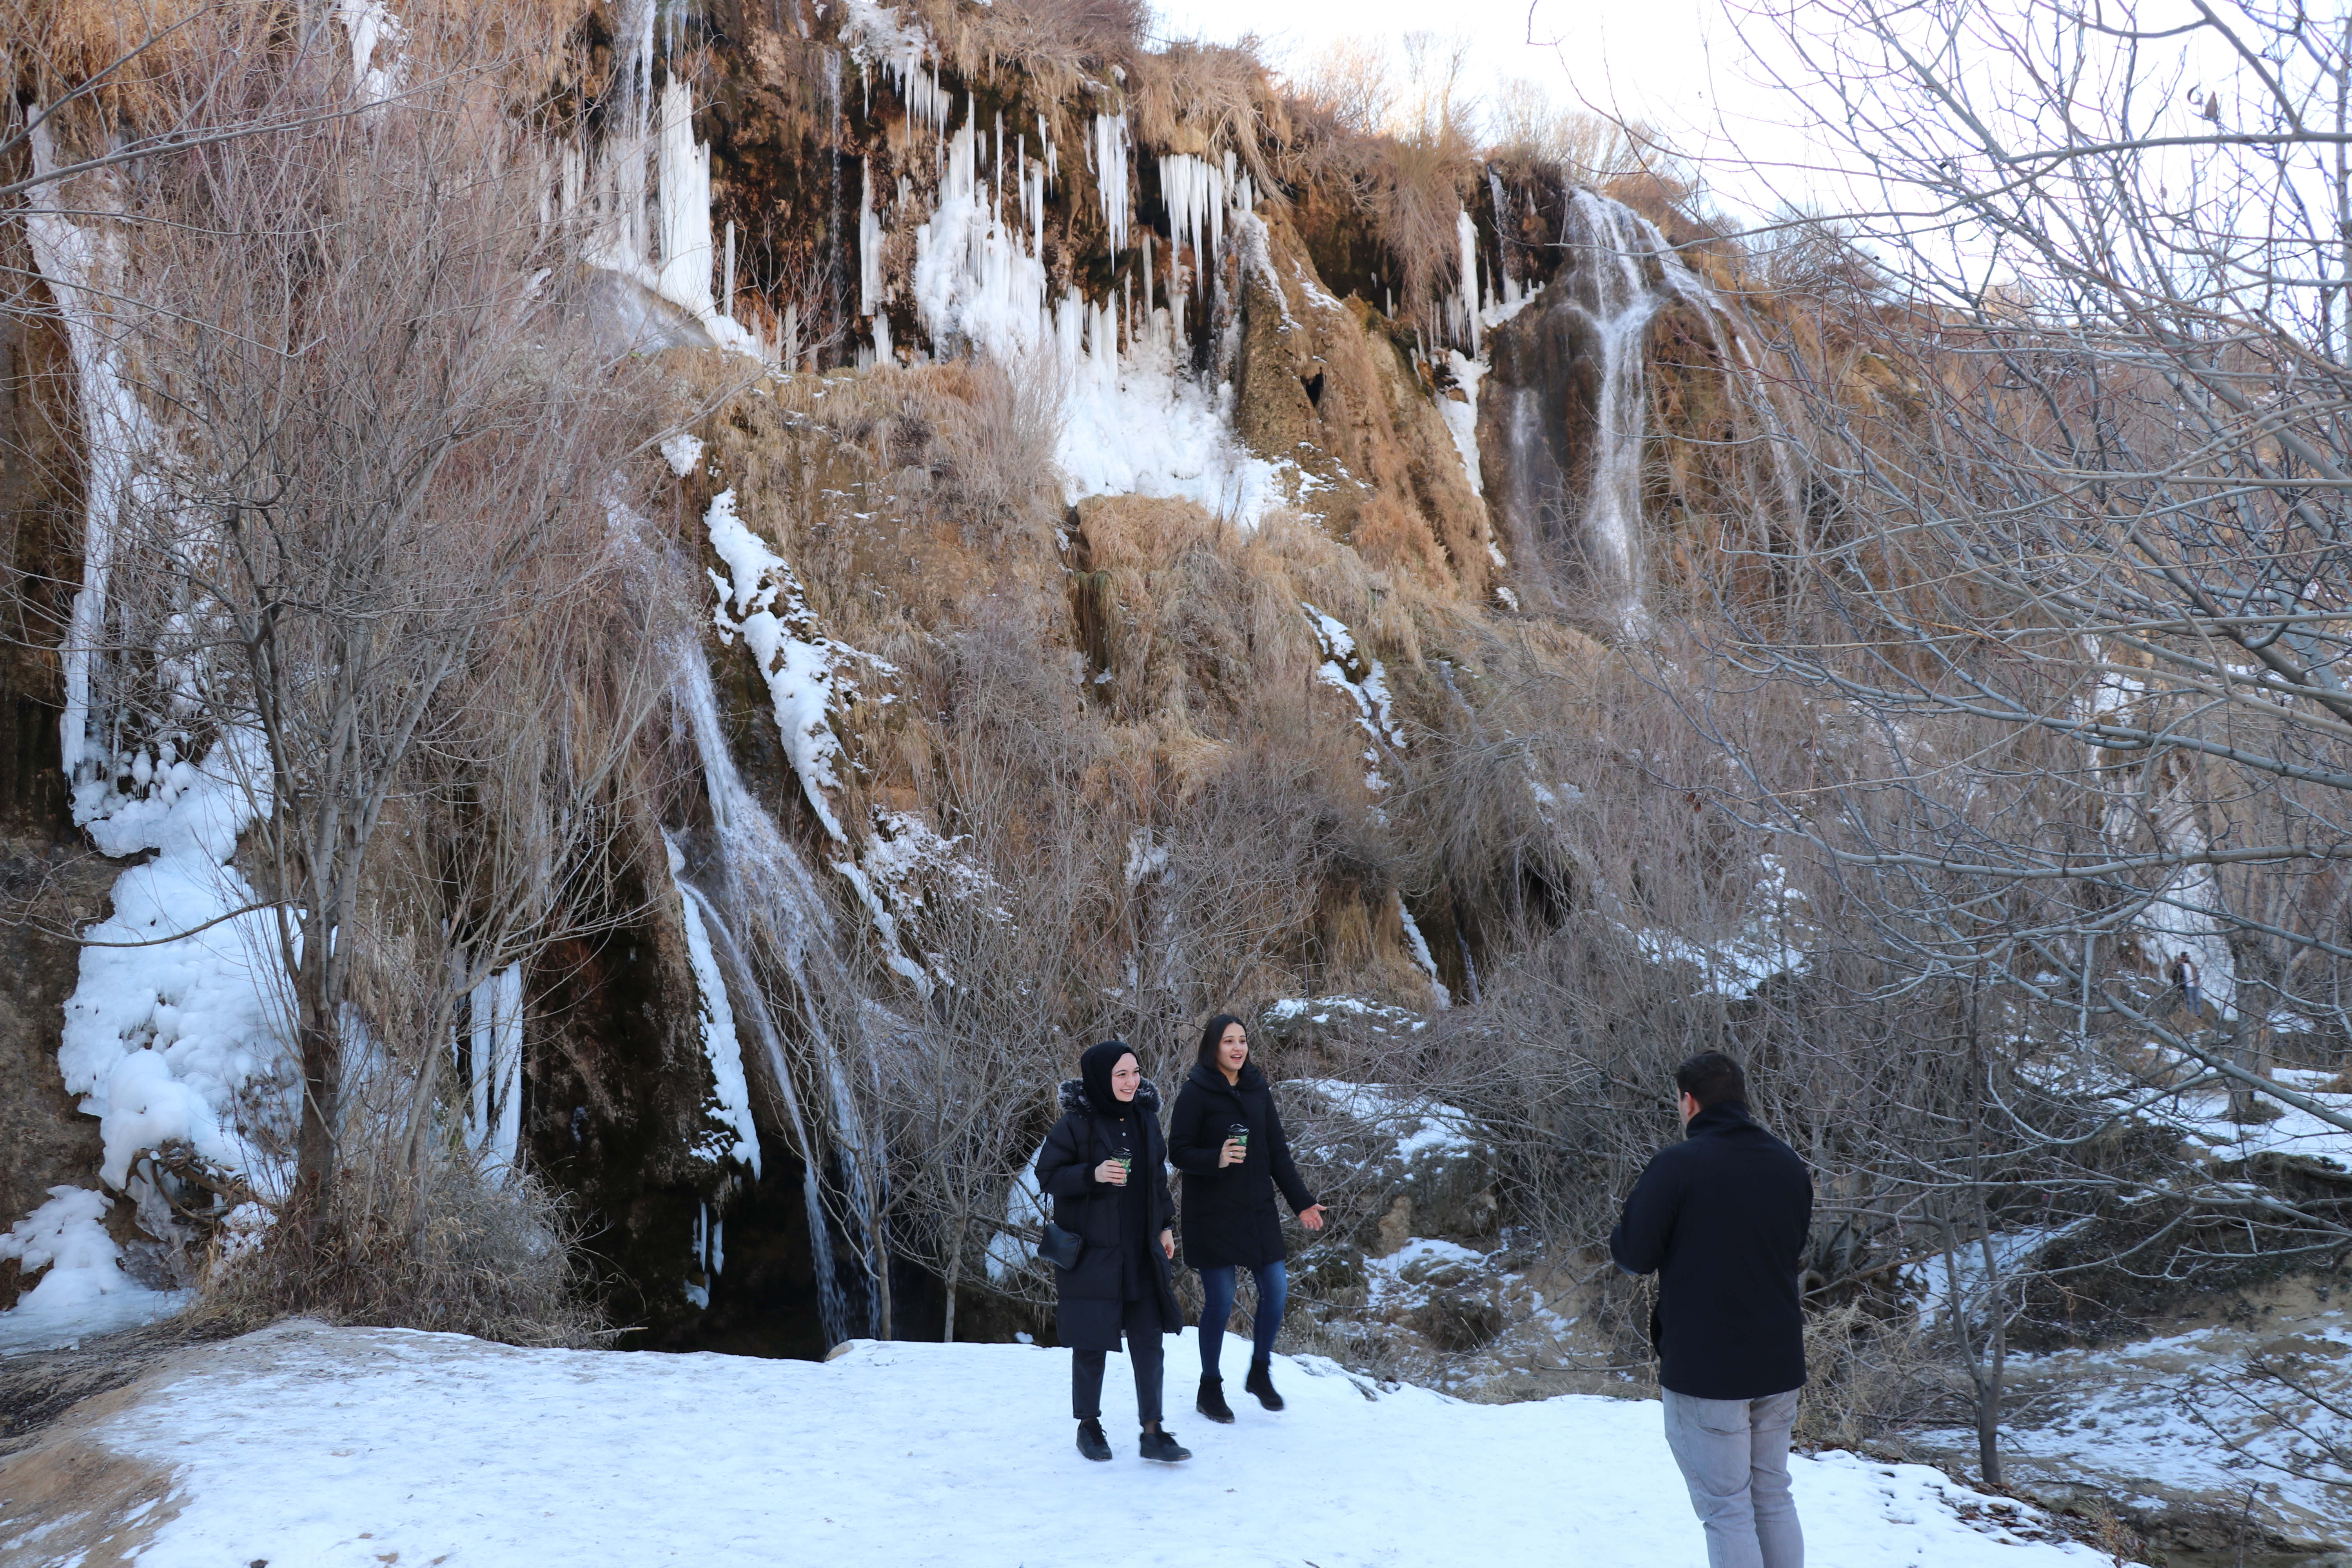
(817, 193)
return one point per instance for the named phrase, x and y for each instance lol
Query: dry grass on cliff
(1060, 45)
(1208, 99)
(122, 57)
(909, 540)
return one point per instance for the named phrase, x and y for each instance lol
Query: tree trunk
(1995, 1357)
(880, 1240)
(2245, 1102)
(316, 1035)
(955, 1271)
(1989, 1425)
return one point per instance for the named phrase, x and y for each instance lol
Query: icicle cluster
(683, 183)
(1035, 176)
(1110, 153)
(870, 247)
(675, 256)
(1509, 291)
(1198, 193)
(494, 1099)
(977, 280)
(1460, 310)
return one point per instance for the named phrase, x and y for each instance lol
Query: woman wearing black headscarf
(1227, 1138)
(1105, 1165)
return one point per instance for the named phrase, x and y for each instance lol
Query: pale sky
(1677, 65)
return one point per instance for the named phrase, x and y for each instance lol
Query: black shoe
(1212, 1403)
(1261, 1383)
(1091, 1441)
(1162, 1446)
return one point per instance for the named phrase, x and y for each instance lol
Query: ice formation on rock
(1199, 194)
(183, 1041)
(733, 1134)
(1111, 150)
(805, 671)
(494, 1076)
(82, 1288)
(770, 886)
(1365, 684)
(372, 27)
(1419, 947)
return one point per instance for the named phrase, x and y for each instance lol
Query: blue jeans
(1217, 1289)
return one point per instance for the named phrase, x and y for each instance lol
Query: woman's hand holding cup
(1233, 1153)
(1111, 1173)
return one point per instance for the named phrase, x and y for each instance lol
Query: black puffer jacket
(1087, 1300)
(1722, 1216)
(1230, 1219)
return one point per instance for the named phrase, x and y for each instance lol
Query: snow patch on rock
(84, 1290)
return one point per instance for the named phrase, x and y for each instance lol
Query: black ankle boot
(1261, 1383)
(1162, 1446)
(1091, 1441)
(1212, 1403)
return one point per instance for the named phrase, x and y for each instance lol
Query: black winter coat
(1721, 1217)
(1089, 1303)
(1230, 1219)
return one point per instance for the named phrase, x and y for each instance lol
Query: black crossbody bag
(1063, 1248)
(1060, 1248)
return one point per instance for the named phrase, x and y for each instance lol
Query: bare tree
(369, 510)
(2076, 533)
(2067, 600)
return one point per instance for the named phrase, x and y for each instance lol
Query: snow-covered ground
(316, 1446)
(2204, 1117)
(2175, 1419)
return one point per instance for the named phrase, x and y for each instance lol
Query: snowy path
(306, 1446)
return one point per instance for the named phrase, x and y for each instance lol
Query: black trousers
(1141, 1322)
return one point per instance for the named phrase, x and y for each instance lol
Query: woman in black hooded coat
(1227, 1138)
(1105, 1165)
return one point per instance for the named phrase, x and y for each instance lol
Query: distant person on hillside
(1721, 1218)
(1227, 1138)
(1105, 1165)
(2184, 975)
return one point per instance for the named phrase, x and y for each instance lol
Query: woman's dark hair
(1215, 1030)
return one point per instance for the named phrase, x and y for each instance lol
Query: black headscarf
(1094, 1066)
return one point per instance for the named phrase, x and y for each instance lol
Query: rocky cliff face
(1109, 541)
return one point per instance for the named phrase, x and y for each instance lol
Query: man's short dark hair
(1711, 1078)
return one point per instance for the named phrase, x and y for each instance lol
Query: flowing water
(1611, 241)
(768, 917)
(1619, 273)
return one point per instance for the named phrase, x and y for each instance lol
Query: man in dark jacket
(1721, 1218)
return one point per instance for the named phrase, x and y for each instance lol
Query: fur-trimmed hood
(1074, 1097)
